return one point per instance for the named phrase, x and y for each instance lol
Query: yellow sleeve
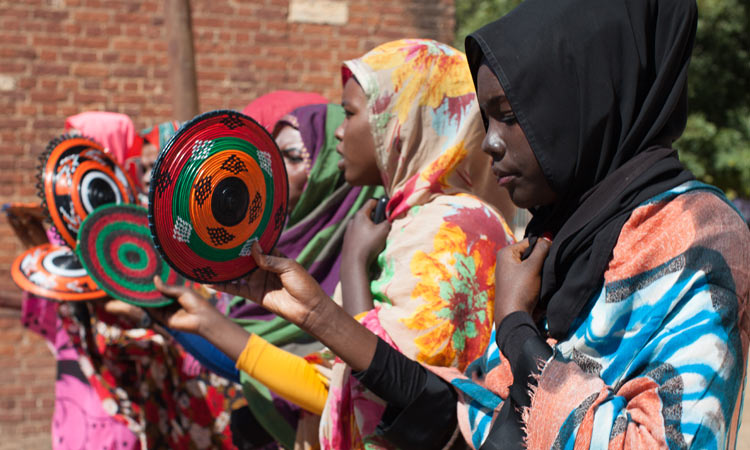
(288, 375)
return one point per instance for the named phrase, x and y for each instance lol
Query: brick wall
(60, 57)
(27, 376)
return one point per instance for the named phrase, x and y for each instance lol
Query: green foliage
(716, 142)
(474, 14)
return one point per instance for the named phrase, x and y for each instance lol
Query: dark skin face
(356, 144)
(513, 161)
(149, 153)
(290, 143)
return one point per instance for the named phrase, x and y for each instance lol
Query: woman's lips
(506, 179)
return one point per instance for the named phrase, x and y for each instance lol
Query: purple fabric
(310, 121)
(317, 136)
(250, 310)
(293, 240)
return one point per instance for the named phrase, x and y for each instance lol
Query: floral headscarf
(425, 123)
(434, 297)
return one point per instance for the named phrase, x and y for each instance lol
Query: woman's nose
(493, 145)
(339, 132)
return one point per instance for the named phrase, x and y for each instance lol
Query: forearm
(226, 335)
(520, 341)
(355, 286)
(287, 374)
(421, 411)
(341, 333)
(207, 354)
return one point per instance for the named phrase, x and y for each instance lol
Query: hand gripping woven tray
(219, 185)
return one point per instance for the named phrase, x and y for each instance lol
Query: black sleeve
(421, 410)
(520, 341)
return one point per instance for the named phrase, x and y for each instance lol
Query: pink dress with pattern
(79, 420)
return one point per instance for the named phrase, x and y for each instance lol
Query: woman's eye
(508, 118)
(292, 156)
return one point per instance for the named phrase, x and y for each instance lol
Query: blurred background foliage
(716, 142)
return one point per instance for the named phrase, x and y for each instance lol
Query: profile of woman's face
(296, 160)
(356, 144)
(513, 161)
(149, 154)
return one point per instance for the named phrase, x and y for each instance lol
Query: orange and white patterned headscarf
(425, 122)
(434, 298)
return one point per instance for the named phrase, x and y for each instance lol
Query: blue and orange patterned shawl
(658, 359)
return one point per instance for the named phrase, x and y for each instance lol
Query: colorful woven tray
(76, 177)
(115, 247)
(218, 185)
(54, 272)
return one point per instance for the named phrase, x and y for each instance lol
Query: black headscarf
(599, 87)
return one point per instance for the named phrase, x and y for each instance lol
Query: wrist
(353, 258)
(320, 316)
(208, 322)
(503, 312)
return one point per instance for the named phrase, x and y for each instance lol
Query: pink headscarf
(269, 108)
(114, 131)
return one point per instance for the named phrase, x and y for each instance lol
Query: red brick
(48, 96)
(91, 70)
(130, 72)
(84, 98)
(17, 52)
(15, 13)
(50, 41)
(90, 16)
(49, 69)
(14, 67)
(11, 24)
(129, 43)
(8, 38)
(11, 416)
(90, 42)
(12, 390)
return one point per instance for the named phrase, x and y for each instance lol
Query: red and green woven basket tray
(219, 185)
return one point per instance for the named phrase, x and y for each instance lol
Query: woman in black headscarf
(640, 280)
